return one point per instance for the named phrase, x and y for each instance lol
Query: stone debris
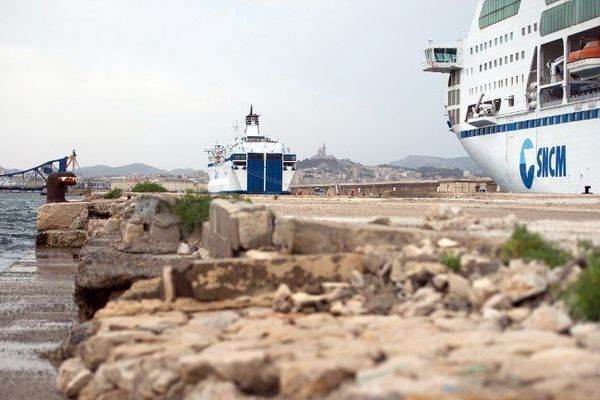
(274, 307)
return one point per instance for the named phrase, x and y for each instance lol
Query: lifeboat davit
(585, 63)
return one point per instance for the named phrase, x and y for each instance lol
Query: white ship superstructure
(251, 163)
(523, 93)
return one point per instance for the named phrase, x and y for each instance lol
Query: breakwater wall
(254, 304)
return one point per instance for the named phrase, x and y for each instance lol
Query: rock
(557, 362)
(239, 225)
(382, 221)
(168, 284)
(440, 281)
(312, 379)
(144, 289)
(61, 238)
(358, 280)
(517, 315)
(132, 233)
(247, 368)
(97, 227)
(415, 253)
(304, 236)
(162, 379)
(446, 243)
(62, 216)
(498, 301)
(420, 272)
(282, 299)
(521, 281)
(458, 286)
(95, 350)
(471, 264)
(587, 335)
(184, 249)
(481, 290)
(380, 302)
(247, 277)
(423, 303)
(72, 377)
(549, 318)
(211, 388)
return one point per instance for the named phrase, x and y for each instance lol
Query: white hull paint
(527, 124)
(498, 155)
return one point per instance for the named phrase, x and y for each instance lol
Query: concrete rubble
(262, 306)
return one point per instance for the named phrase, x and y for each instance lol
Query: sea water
(17, 225)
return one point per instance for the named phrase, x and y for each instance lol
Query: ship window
(535, 27)
(523, 54)
(496, 42)
(512, 57)
(495, 63)
(485, 67)
(490, 44)
(529, 29)
(594, 113)
(523, 31)
(471, 51)
(490, 63)
(485, 45)
(494, 11)
(501, 39)
(516, 56)
(500, 61)
(511, 101)
(506, 82)
(586, 115)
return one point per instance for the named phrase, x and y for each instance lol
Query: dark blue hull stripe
(532, 123)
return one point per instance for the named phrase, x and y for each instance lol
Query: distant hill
(416, 162)
(137, 169)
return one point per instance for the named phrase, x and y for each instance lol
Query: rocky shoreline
(255, 304)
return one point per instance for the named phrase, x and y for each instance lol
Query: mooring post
(57, 186)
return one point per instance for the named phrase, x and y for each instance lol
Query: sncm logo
(550, 162)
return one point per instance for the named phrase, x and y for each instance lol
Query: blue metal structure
(256, 173)
(35, 178)
(273, 184)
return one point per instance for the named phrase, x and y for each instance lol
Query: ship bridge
(443, 58)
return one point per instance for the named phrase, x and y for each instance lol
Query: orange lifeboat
(585, 63)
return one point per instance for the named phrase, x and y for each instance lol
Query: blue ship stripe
(532, 123)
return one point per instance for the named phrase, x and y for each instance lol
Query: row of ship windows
(514, 80)
(526, 30)
(532, 123)
(499, 40)
(499, 62)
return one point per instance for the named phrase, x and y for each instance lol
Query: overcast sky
(160, 81)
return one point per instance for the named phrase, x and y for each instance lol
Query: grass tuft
(192, 210)
(532, 246)
(583, 296)
(451, 260)
(148, 187)
(115, 193)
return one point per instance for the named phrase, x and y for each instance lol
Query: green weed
(532, 246)
(192, 210)
(115, 193)
(583, 296)
(148, 187)
(451, 260)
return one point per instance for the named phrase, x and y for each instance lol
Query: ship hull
(547, 159)
(261, 176)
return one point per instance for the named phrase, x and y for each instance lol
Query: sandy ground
(559, 217)
(36, 312)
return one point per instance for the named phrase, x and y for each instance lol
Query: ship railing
(551, 103)
(547, 80)
(585, 96)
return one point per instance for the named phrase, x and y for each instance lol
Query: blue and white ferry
(523, 93)
(251, 163)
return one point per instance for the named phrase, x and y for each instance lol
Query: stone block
(229, 278)
(62, 216)
(61, 238)
(300, 236)
(244, 226)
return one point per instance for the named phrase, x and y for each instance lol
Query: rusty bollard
(57, 186)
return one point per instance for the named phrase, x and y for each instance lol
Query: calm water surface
(17, 225)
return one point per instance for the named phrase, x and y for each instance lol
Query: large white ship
(524, 92)
(251, 163)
